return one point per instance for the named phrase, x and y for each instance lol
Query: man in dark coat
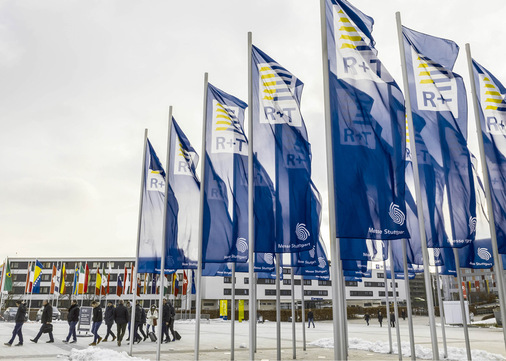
(129, 308)
(45, 320)
(380, 318)
(143, 322)
(310, 318)
(366, 318)
(392, 319)
(121, 319)
(109, 320)
(168, 320)
(97, 321)
(20, 319)
(72, 319)
(137, 322)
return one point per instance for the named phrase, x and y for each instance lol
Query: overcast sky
(80, 80)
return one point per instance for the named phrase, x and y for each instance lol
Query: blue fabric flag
(38, 277)
(313, 263)
(153, 284)
(282, 148)
(356, 268)
(226, 187)
(185, 187)
(477, 255)
(368, 130)
(194, 289)
(446, 260)
(440, 119)
(491, 97)
(358, 249)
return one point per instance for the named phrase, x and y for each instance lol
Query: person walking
(152, 318)
(129, 308)
(392, 319)
(137, 322)
(45, 320)
(19, 319)
(380, 318)
(169, 312)
(143, 322)
(403, 315)
(109, 321)
(97, 322)
(72, 319)
(310, 318)
(366, 318)
(121, 319)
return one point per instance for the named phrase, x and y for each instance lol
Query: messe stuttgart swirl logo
(483, 253)
(242, 245)
(321, 262)
(301, 232)
(269, 258)
(312, 252)
(396, 214)
(472, 224)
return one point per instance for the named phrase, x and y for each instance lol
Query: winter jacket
(73, 315)
(310, 315)
(166, 313)
(143, 316)
(152, 315)
(97, 314)
(20, 315)
(121, 314)
(138, 314)
(47, 314)
(109, 315)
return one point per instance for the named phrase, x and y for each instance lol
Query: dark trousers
(309, 321)
(17, 332)
(141, 326)
(94, 330)
(40, 334)
(72, 331)
(121, 328)
(152, 328)
(109, 331)
(165, 331)
(136, 333)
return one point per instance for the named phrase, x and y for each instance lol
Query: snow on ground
(99, 354)
(454, 353)
(490, 321)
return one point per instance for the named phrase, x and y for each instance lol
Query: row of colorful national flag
(82, 281)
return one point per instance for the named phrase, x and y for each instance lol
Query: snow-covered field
(366, 343)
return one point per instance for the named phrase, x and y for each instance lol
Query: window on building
(390, 294)
(396, 284)
(308, 282)
(297, 282)
(374, 284)
(46, 277)
(361, 293)
(286, 271)
(227, 280)
(282, 293)
(238, 292)
(316, 293)
(380, 275)
(246, 280)
(287, 282)
(266, 281)
(327, 283)
(351, 283)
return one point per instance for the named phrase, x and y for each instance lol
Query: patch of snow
(99, 354)
(490, 321)
(454, 353)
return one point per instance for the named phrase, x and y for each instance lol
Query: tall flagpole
(462, 304)
(441, 314)
(294, 351)
(387, 304)
(408, 299)
(232, 316)
(418, 192)
(303, 318)
(278, 307)
(396, 309)
(339, 352)
(164, 236)
(251, 218)
(201, 222)
(498, 264)
(139, 223)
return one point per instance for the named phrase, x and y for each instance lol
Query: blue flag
(440, 119)
(492, 105)
(477, 255)
(194, 289)
(37, 277)
(356, 268)
(358, 249)
(185, 187)
(226, 187)
(444, 258)
(313, 263)
(282, 148)
(150, 243)
(368, 130)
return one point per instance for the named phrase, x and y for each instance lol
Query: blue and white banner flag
(184, 183)
(368, 130)
(282, 148)
(439, 106)
(477, 255)
(312, 263)
(491, 97)
(356, 268)
(226, 187)
(445, 259)
(359, 249)
(153, 201)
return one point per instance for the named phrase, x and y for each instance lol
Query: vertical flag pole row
(408, 299)
(278, 307)
(294, 351)
(462, 305)
(387, 304)
(498, 264)
(251, 218)
(441, 314)
(232, 315)
(419, 203)
(201, 223)
(303, 318)
(396, 308)
(164, 235)
(139, 222)
(334, 242)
